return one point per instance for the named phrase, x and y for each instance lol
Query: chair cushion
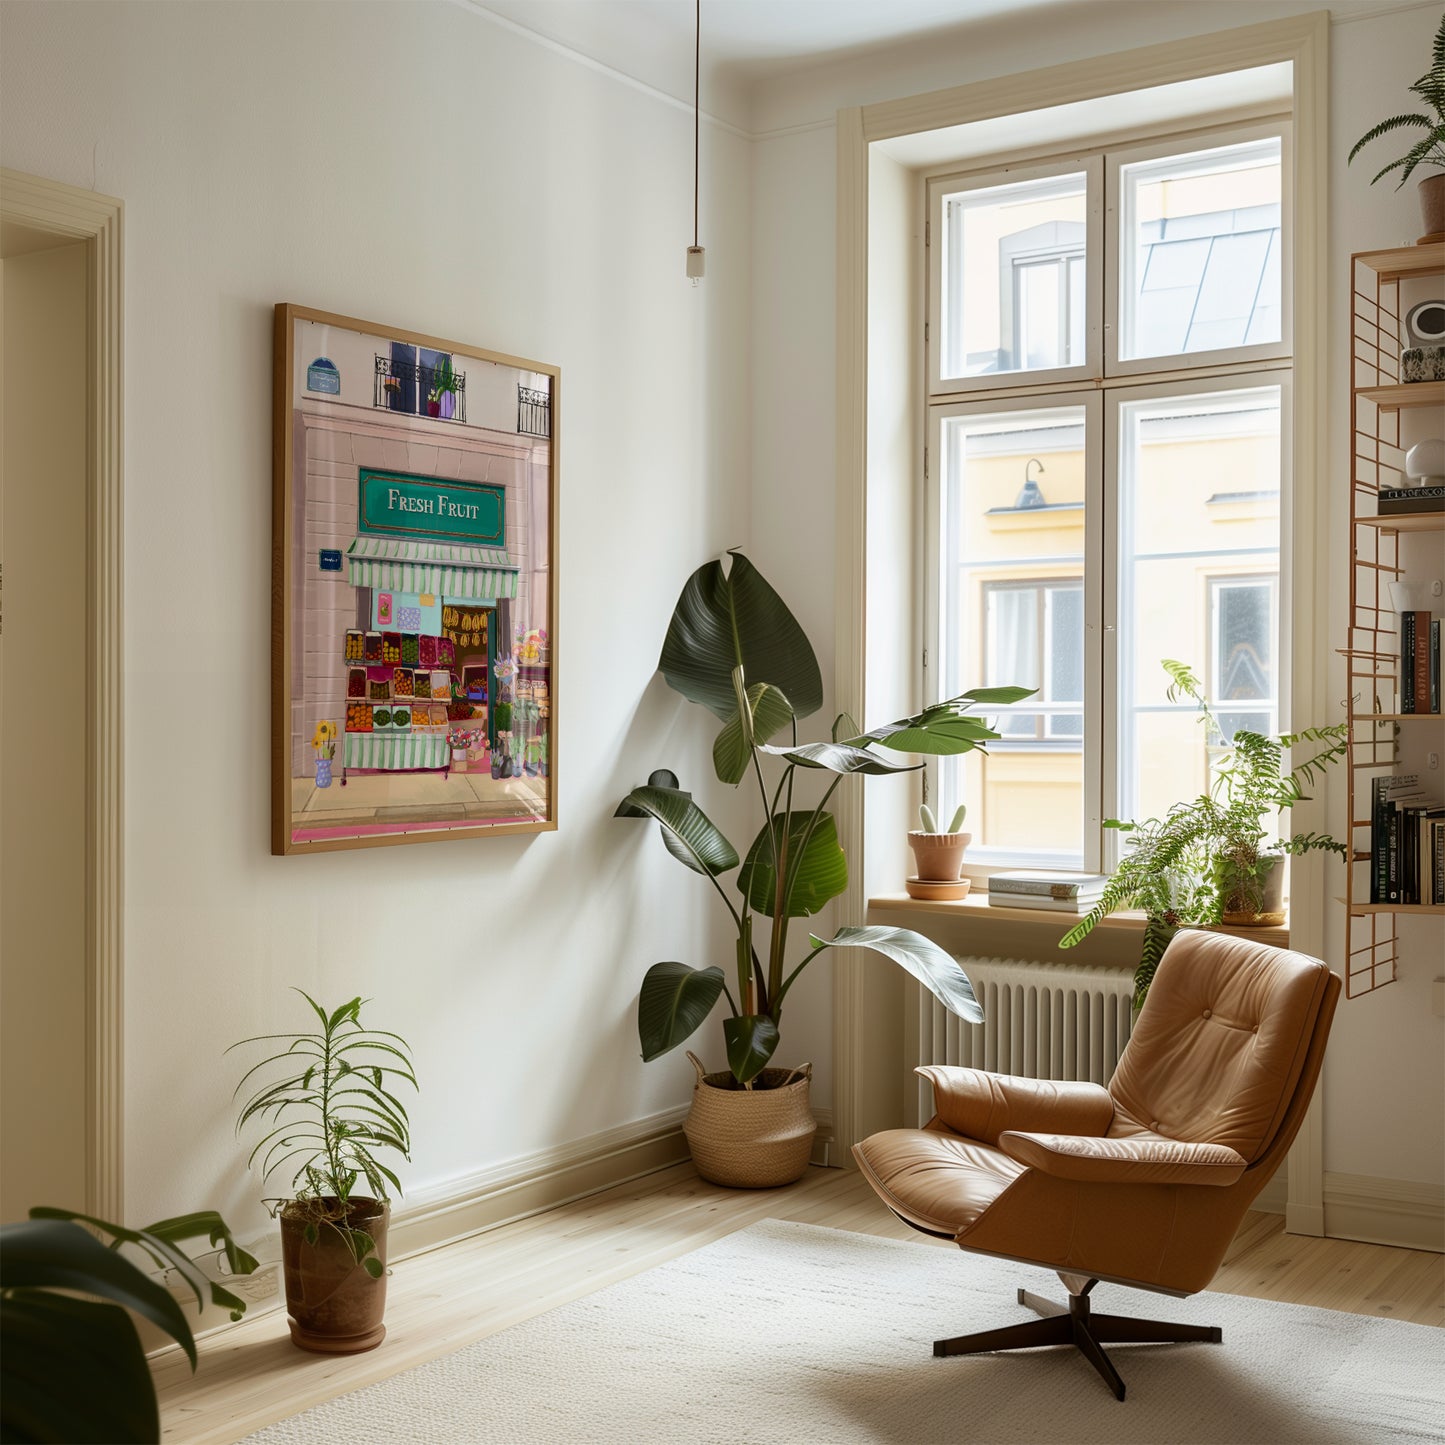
(934, 1179)
(1125, 1161)
(980, 1105)
(1217, 1051)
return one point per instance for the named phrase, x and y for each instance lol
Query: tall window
(1108, 371)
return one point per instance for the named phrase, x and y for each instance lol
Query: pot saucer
(933, 889)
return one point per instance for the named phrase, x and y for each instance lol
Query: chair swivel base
(1073, 1324)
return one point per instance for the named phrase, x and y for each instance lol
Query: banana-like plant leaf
(769, 711)
(73, 1369)
(841, 758)
(751, 1039)
(689, 834)
(844, 728)
(817, 876)
(658, 778)
(673, 1001)
(936, 970)
(947, 727)
(55, 1254)
(725, 620)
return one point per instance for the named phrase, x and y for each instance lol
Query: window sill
(977, 909)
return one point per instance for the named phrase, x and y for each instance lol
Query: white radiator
(1042, 1020)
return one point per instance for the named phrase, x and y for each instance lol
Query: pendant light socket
(695, 258)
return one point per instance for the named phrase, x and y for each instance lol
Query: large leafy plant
(735, 648)
(1209, 856)
(1429, 149)
(328, 1096)
(72, 1366)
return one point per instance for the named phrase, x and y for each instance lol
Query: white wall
(1386, 1049)
(421, 166)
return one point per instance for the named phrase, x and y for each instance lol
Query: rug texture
(790, 1333)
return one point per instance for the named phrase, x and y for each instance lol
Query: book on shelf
(1437, 860)
(1047, 885)
(1404, 851)
(1402, 501)
(1419, 662)
(1081, 903)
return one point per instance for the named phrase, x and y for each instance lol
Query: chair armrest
(981, 1105)
(1125, 1161)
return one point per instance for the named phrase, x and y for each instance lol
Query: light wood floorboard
(250, 1374)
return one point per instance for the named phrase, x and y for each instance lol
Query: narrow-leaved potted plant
(938, 855)
(733, 647)
(329, 1098)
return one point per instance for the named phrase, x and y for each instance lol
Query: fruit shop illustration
(421, 651)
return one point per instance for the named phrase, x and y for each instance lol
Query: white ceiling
(742, 40)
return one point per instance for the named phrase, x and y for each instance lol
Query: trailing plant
(1430, 148)
(930, 823)
(72, 1366)
(1209, 856)
(332, 1111)
(734, 647)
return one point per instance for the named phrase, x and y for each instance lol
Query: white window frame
(1184, 374)
(1115, 399)
(1120, 227)
(953, 183)
(936, 641)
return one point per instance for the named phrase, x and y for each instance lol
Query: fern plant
(1430, 148)
(1209, 856)
(332, 1110)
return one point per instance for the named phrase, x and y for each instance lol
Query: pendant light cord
(696, 112)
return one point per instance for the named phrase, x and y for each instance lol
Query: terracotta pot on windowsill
(939, 856)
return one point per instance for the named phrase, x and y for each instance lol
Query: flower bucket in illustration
(323, 772)
(324, 741)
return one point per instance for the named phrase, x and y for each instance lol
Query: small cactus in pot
(939, 855)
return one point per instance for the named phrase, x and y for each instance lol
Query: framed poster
(414, 588)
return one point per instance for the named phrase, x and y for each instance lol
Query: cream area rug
(789, 1333)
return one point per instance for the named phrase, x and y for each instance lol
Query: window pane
(1006, 298)
(1200, 251)
(1198, 569)
(1012, 600)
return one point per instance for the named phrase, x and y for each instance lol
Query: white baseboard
(1274, 1196)
(457, 1208)
(1400, 1212)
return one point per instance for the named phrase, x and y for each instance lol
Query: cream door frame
(863, 1073)
(71, 214)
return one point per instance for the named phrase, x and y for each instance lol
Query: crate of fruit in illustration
(459, 710)
(400, 718)
(446, 652)
(381, 718)
(378, 689)
(441, 685)
(474, 683)
(439, 717)
(358, 717)
(371, 651)
(428, 652)
(391, 647)
(402, 683)
(356, 682)
(355, 645)
(421, 684)
(410, 649)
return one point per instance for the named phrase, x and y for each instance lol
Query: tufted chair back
(1218, 1051)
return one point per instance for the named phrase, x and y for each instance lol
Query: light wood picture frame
(414, 588)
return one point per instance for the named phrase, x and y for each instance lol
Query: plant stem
(775, 978)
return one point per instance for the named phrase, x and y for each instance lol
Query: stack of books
(1419, 662)
(1063, 892)
(1407, 842)
(1400, 501)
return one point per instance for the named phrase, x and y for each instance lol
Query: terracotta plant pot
(1252, 898)
(1432, 205)
(335, 1306)
(756, 1138)
(939, 856)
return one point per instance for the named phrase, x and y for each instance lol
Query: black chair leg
(1075, 1325)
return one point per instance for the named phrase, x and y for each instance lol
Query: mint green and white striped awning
(441, 568)
(396, 752)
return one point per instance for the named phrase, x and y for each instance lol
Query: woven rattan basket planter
(751, 1138)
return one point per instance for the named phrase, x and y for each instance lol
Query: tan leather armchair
(1143, 1183)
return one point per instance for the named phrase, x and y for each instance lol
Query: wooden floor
(251, 1375)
